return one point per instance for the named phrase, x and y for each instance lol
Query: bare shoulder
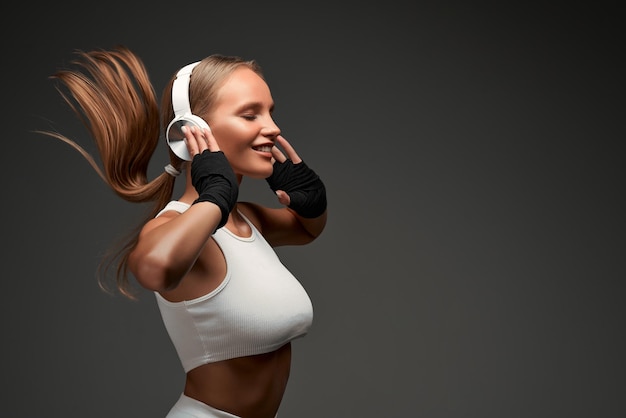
(267, 220)
(162, 219)
(279, 226)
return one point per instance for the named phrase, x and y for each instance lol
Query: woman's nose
(270, 128)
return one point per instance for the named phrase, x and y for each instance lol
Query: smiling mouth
(263, 148)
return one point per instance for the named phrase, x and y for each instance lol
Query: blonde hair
(111, 93)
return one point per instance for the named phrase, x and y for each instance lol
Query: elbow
(154, 273)
(315, 227)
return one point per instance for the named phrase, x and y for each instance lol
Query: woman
(230, 307)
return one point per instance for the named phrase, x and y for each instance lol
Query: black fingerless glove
(215, 181)
(306, 191)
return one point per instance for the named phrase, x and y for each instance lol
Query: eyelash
(249, 117)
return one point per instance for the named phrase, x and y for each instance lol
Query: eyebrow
(254, 105)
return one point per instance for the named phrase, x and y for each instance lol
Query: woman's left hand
(292, 155)
(295, 184)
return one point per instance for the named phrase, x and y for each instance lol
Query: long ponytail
(112, 95)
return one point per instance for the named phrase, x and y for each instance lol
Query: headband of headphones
(182, 113)
(180, 90)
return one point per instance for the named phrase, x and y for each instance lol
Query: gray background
(473, 262)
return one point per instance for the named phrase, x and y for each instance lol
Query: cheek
(233, 145)
(232, 135)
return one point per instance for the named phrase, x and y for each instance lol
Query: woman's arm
(169, 245)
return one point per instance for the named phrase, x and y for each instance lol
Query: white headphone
(182, 113)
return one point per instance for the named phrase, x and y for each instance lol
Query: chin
(264, 174)
(260, 173)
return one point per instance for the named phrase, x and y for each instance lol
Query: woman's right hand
(199, 139)
(211, 173)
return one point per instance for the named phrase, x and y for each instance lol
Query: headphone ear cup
(175, 136)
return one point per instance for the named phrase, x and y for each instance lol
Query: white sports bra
(258, 307)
